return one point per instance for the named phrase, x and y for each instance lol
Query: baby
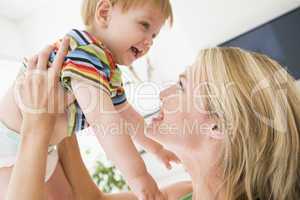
(117, 32)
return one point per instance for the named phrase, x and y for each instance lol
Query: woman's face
(182, 122)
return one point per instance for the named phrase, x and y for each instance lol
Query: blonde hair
(88, 8)
(258, 108)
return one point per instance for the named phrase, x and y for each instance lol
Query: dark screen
(279, 39)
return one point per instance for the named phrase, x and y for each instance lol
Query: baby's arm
(136, 127)
(114, 138)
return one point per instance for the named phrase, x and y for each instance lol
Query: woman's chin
(156, 122)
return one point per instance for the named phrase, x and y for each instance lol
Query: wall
(11, 46)
(11, 52)
(216, 21)
(198, 24)
(49, 23)
(202, 23)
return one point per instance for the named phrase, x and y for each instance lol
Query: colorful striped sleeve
(87, 63)
(118, 95)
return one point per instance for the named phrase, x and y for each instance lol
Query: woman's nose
(167, 92)
(162, 95)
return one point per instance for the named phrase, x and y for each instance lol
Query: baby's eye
(145, 25)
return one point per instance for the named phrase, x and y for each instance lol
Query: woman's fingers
(31, 63)
(43, 57)
(62, 52)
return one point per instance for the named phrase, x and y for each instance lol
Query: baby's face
(131, 33)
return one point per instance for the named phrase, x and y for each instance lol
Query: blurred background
(268, 26)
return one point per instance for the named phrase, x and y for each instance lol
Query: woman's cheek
(174, 123)
(172, 105)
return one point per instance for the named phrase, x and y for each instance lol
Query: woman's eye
(180, 86)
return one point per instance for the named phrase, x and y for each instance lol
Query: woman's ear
(103, 13)
(215, 133)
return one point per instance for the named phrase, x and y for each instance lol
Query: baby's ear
(103, 12)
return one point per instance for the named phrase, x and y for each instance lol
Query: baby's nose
(148, 42)
(163, 94)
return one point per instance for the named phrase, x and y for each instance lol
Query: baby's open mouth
(135, 51)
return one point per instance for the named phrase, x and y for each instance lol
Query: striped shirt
(89, 61)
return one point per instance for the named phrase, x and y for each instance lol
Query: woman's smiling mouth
(159, 116)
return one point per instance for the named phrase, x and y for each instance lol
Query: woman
(27, 180)
(233, 120)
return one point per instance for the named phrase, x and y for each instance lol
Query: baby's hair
(88, 8)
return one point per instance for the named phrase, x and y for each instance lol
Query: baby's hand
(145, 188)
(167, 157)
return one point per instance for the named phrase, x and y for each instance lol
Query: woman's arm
(171, 192)
(33, 91)
(27, 179)
(78, 176)
(177, 190)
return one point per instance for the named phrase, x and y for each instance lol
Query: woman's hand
(38, 93)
